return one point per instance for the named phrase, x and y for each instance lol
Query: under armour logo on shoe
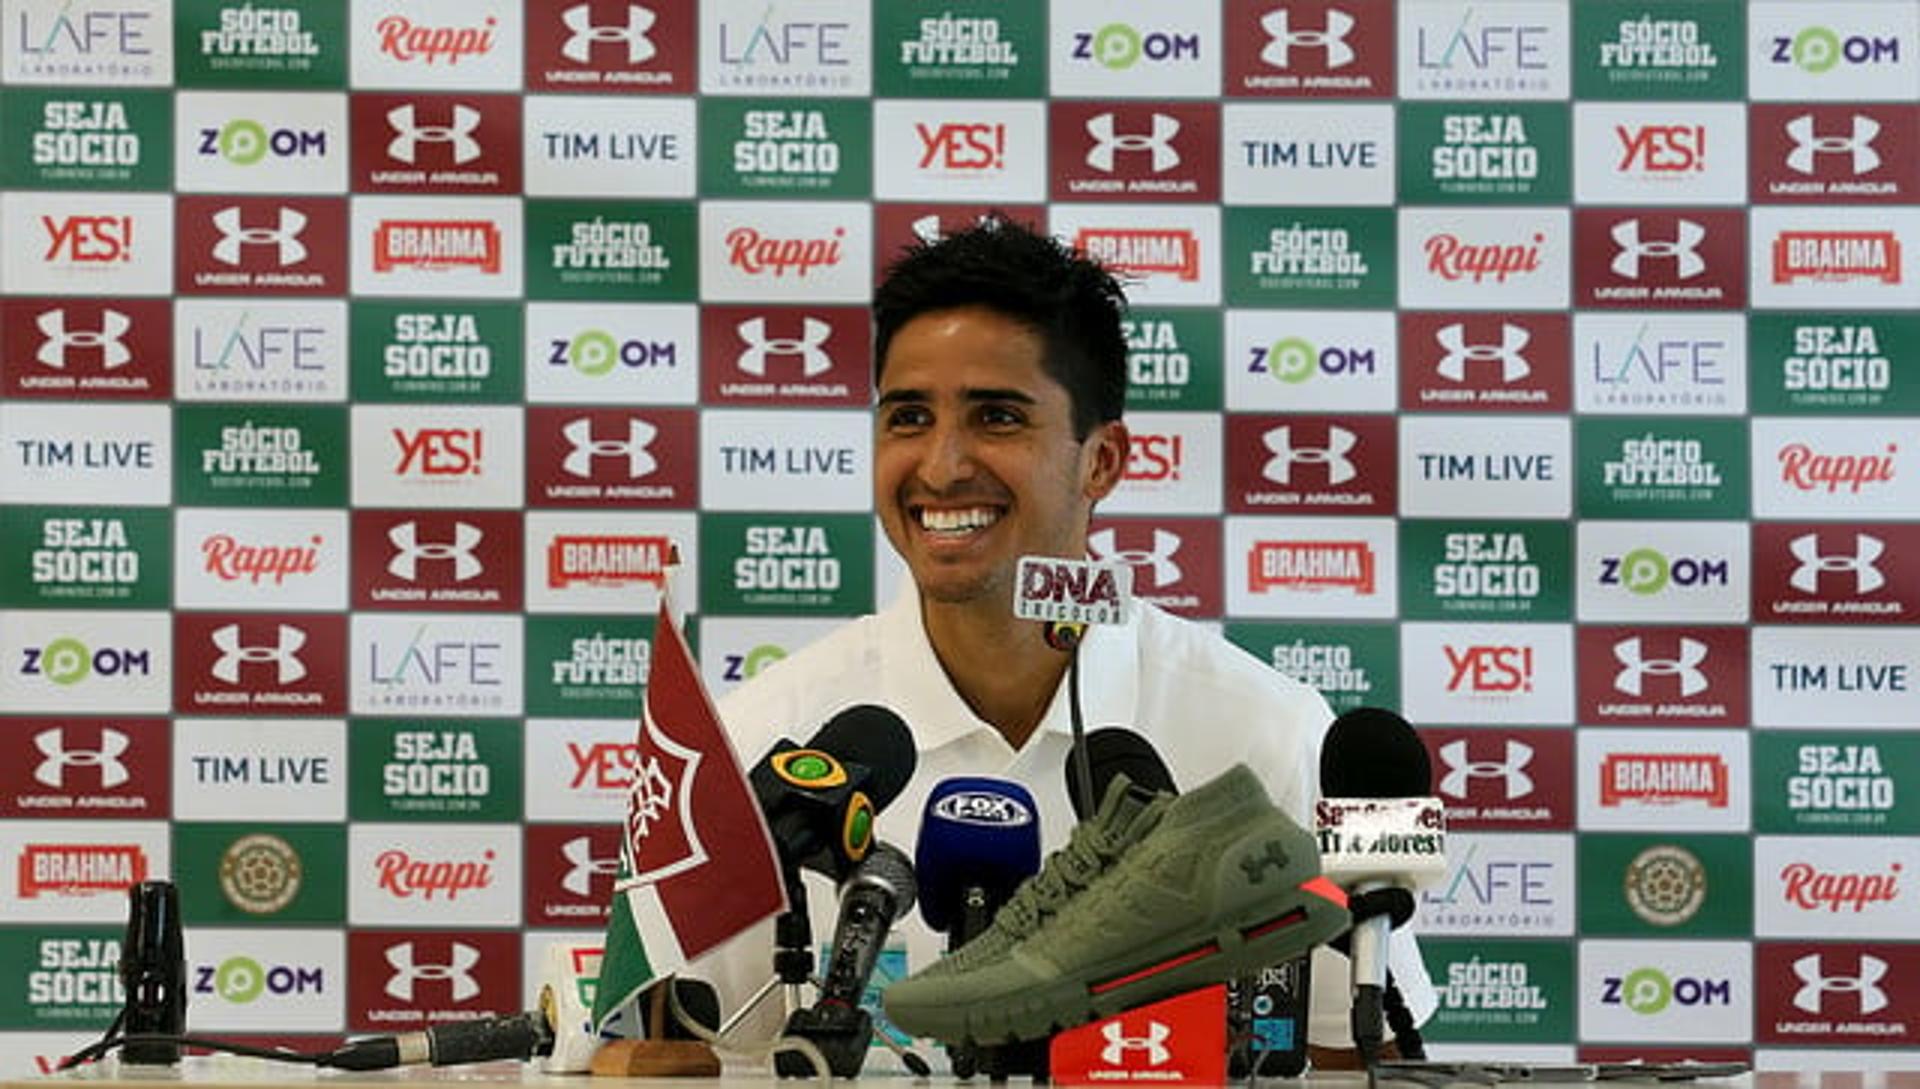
(1154, 1043)
(1256, 866)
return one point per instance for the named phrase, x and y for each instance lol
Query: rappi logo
(1176, 563)
(1663, 676)
(95, 349)
(1659, 259)
(759, 254)
(1664, 779)
(417, 43)
(438, 453)
(436, 143)
(1497, 780)
(1809, 887)
(814, 355)
(1458, 260)
(1489, 669)
(260, 245)
(401, 875)
(620, 457)
(109, 769)
(1807, 469)
(231, 559)
(1485, 362)
(1287, 464)
(1822, 154)
(1127, 151)
(570, 872)
(611, 45)
(246, 663)
(405, 979)
(1309, 49)
(1812, 574)
(436, 559)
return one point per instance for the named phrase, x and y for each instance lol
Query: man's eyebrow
(919, 396)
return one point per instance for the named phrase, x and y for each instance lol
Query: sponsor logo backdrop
(1526, 366)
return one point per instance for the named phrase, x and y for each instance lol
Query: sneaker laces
(1088, 852)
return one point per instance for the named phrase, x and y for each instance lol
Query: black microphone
(521, 1036)
(153, 970)
(820, 798)
(880, 891)
(1112, 751)
(1374, 754)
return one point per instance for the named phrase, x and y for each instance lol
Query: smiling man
(1001, 377)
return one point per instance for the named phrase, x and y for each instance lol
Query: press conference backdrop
(1527, 366)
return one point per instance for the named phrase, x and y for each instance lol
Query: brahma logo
(1306, 462)
(1484, 363)
(1146, 252)
(1663, 779)
(85, 348)
(1811, 573)
(68, 870)
(1659, 259)
(266, 245)
(611, 456)
(611, 45)
(608, 560)
(236, 664)
(1836, 256)
(436, 143)
(1325, 48)
(1503, 780)
(1311, 566)
(469, 560)
(1662, 676)
(1117, 151)
(437, 245)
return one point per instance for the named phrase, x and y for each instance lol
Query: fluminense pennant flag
(697, 864)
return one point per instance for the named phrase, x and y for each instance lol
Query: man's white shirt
(1202, 703)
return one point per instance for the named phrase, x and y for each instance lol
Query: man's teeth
(950, 521)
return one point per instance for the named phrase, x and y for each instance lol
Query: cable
(101, 1047)
(757, 1053)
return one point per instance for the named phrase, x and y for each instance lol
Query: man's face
(975, 463)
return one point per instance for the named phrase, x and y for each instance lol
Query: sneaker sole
(1183, 963)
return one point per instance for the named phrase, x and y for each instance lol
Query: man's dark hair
(1072, 303)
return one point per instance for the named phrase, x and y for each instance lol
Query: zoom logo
(596, 352)
(68, 661)
(1649, 991)
(1647, 571)
(241, 980)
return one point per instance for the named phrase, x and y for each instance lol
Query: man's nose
(948, 457)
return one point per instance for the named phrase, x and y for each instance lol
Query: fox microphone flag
(697, 864)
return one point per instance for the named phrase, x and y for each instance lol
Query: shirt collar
(917, 687)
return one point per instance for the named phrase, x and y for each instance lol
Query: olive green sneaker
(1224, 884)
(1126, 814)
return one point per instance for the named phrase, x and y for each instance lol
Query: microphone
(820, 799)
(1066, 596)
(880, 891)
(1381, 835)
(153, 971)
(521, 1036)
(979, 839)
(1111, 751)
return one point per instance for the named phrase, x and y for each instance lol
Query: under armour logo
(408, 135)
(1154, 1043)
(56, 758)
(459, 973)
(1340, 442)
(58, 338)
(285, 237)
(810, 346)
(284, 654)
(1462, 769)
(409, 551)
(1256, 866)
(583, 867)
(1105, 546)
(1866, 577)
(1282, 38)
(1807, 144)
(1686, 240)
(633, 447)
(1814, 982)
(1636, 667)
(1158, 141)
(579, 44)
(1507, 353)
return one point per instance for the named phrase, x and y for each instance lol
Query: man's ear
(1105, 454)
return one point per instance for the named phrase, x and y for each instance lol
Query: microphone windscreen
(1110, 751)
(876, 738)
(977, 831)
(1371, 753)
